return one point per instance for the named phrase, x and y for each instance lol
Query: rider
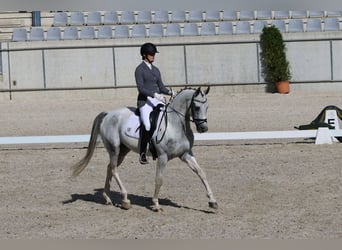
(150, 87)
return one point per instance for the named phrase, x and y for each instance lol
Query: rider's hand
(159, 97)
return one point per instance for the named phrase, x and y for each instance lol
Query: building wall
(216, 60)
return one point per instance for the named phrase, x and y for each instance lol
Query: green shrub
(275, 66)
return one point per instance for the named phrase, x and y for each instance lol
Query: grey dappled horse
(174, 139)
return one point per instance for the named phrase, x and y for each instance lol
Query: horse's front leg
(192, 163)
(161, 164)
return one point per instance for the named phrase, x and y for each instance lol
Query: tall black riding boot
(144, 140)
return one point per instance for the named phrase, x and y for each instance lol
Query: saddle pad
(132, 126)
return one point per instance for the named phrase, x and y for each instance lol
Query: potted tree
(275, 66)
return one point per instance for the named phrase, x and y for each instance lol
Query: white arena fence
(321, 135)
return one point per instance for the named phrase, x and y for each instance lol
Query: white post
(323, 136)
(331, 119)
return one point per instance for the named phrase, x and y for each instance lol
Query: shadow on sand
(136, 200)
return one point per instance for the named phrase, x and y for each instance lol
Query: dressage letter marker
(331, 118)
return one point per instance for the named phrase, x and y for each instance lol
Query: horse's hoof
(126, 204)
(157, 209)
(107, 199)
(109, 203)
(213, 205)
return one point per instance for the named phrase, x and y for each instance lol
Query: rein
(164, 115)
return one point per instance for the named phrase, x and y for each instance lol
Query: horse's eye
(197, 108)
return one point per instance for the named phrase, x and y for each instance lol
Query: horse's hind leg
(107, 185)
(116, 159)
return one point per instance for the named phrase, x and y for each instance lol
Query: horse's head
(199, 108)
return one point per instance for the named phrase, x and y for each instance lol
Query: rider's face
(150, 58)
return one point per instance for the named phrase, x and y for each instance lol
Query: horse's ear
(207, 90)
(198, 90)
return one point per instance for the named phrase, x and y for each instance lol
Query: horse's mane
(185, 88)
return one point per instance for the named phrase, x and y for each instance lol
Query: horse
(174, 138)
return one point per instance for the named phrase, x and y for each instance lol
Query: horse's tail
(82, 164)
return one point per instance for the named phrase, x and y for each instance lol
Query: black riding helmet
(148, 49)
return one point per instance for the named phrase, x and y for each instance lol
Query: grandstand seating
(139, 30)
(229, 15)
(110, 17)
(331, 24)
(19, 34)
(195, 16)
(161, 16)
(94, 18)
(225, 28)
(208, 29)
(243, 27)
(332, 13)
(263, 14)
(60, 19)
(259, 25)
(296, 25)
(280, 24)
(212, 16)
(173, 29)
(144, 16)
(313, 25)
(36, 34)
(70, 33)
(127, 17)
(299, 14)
(121, 31)
(203, 22)
(246, 15)
(316, 14)
(104, 32)
(156, 30)
(87, 32)
(281, 14)
(77, 18)
(54, 33)
(190, 29)
(178, 16)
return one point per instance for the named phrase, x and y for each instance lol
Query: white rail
(44, 139)
(322, 135)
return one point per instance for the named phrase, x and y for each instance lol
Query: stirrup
(143, 159)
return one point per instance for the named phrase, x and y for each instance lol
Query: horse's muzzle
(202, 127)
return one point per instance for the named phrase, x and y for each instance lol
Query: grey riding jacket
(148, 82)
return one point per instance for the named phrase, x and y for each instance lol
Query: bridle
(197, 121)
(192, 107)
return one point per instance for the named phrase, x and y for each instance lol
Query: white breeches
(146, 110)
